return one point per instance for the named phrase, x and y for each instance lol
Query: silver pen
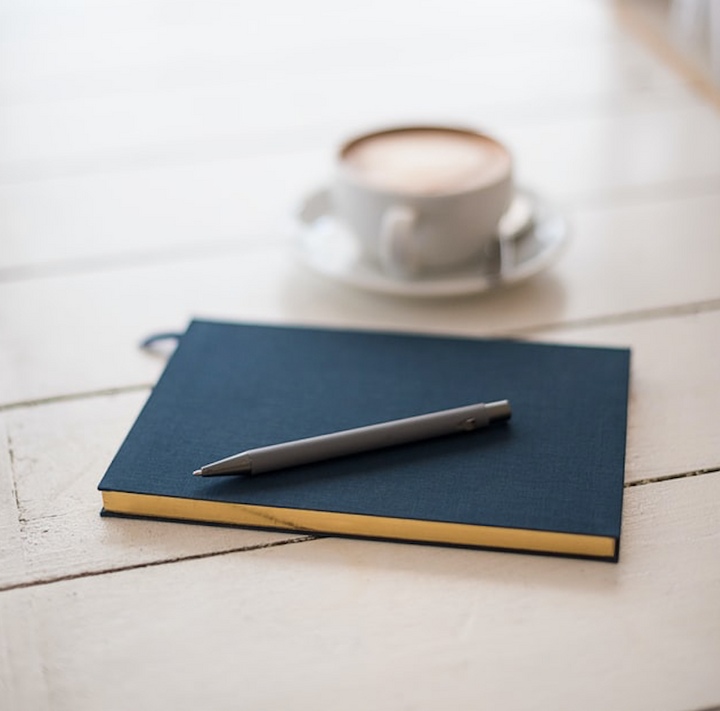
(360, 439)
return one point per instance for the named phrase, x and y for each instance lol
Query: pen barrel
(378, 436)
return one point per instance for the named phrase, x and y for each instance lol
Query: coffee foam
(426, 161)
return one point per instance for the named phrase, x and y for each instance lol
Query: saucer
(530, 237)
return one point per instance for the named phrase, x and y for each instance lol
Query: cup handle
(397, 251)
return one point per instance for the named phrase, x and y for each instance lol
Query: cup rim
(349, 175)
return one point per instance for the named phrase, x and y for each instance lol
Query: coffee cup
(422, 199)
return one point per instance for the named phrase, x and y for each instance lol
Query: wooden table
(152, 155)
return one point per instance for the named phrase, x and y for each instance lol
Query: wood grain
(12, 560)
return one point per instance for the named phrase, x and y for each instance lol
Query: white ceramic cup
(422, 199)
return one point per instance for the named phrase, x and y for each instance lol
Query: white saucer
(530, 238)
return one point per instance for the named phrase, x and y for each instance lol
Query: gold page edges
(311, 521)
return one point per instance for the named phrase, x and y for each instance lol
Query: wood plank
(64, 22)
(185, 59)
(141, 212)
(228, 98)
(48, 350)
(576, 159)
(59, 455)
(672, 429)
(208, 124)
(391, 626)
(68, 50)
(141, 207)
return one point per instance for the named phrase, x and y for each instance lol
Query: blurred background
(135, 127)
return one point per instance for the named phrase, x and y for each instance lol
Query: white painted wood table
(152, 155)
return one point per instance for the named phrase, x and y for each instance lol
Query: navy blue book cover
(552, 476)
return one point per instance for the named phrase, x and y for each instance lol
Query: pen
(360, 439)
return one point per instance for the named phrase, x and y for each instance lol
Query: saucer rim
(362, 274)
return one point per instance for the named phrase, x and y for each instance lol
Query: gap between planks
(640, 315)
(115, 262)
(70, 397)
(155, 563)
(206, 150)
(600, 199)
(292, 541)
(651, 314)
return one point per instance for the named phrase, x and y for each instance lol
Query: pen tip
(197, 472)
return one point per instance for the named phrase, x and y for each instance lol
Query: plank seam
(593, 200)
(671, 477)
(291, 541)
(641, 315)
(138, 259)
(70, 397)
(651, 314)
(156, 563)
